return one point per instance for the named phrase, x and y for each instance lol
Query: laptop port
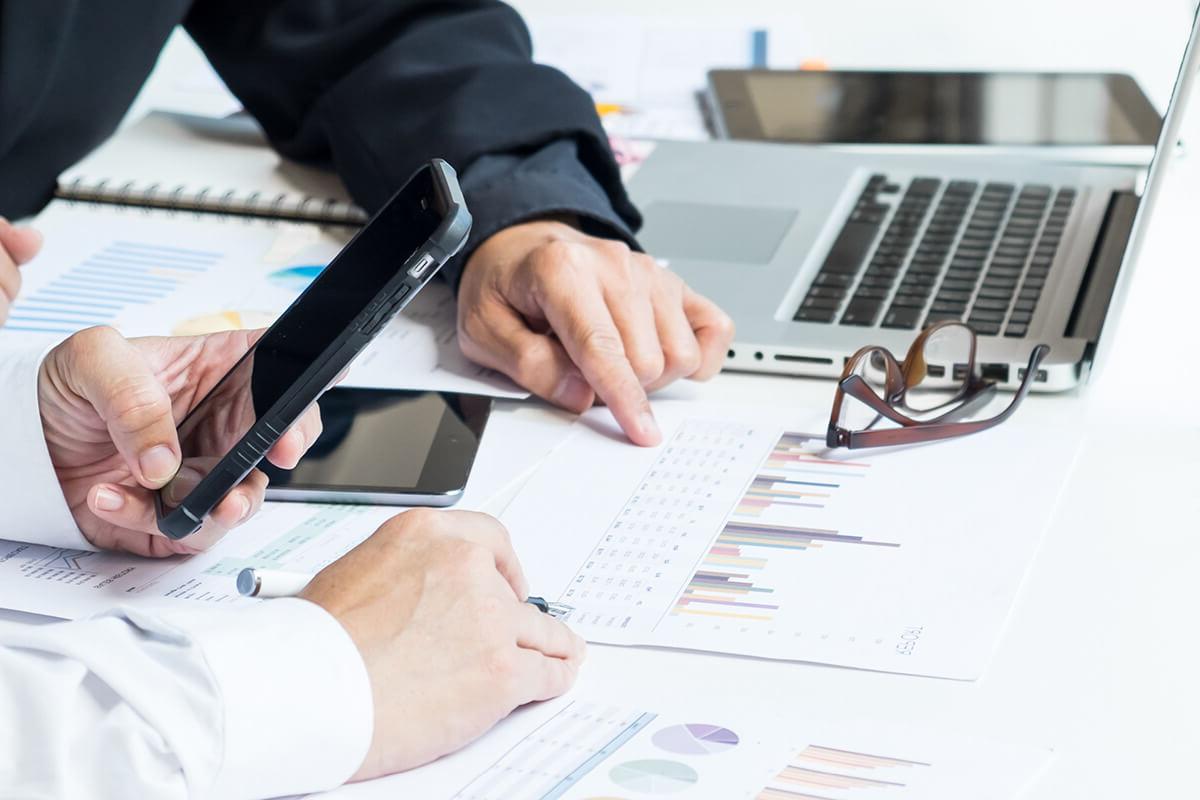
(803, 359)
(935, 371)
(1040, 377)
(994, 372)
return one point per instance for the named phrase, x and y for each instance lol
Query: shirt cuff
(503, 190)
(296, 696)
(36, 510)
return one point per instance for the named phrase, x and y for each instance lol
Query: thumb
(22, 244)
(112, 375)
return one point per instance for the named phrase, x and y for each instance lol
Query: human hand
(17, 246)
(109, 410)
(434, 602)
(573, 318)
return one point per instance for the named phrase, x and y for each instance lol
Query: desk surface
(1100, 656)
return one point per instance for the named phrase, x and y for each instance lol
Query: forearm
(376, 90)
(132, 705)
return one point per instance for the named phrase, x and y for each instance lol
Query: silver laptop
(816, 252)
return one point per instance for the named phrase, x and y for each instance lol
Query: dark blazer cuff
(505, 190)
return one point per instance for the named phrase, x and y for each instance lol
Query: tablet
(935, 108)
(387, 447)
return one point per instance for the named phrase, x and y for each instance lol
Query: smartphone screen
(310, 325)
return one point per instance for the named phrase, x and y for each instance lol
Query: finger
(539, 631)
(111, 374)
(581, 319)
(10, 277)
(714, 332)
(21, 243)
(542, 678)
(499, 338)
(682, 356)
(632, 308)
(487, 531)
(291, 447)
(242, 502)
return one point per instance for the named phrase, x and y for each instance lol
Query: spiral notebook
(194, 163)
(187, 225)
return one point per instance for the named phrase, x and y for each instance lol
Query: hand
(17, 246)
(571, 318)
(433, 601)
(109, 411)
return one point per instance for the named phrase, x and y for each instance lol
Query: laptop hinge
(1100, 277)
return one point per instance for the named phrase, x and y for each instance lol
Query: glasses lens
(872, 368)
(945, 369)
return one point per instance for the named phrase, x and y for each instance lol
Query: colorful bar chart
(120, 276)
(792, 480)
(821, 768)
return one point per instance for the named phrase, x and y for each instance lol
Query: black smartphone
(374, 276)
(387, 447)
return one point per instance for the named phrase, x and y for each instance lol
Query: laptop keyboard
(951, 250)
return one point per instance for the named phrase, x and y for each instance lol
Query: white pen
(254, 582)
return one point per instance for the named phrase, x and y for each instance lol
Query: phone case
(417, 271)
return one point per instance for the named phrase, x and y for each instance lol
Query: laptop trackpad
(706, 232)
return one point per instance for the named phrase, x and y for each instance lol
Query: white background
(1100, 660)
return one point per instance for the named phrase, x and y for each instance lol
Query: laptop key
(901, 317)
(833, 279)
(909, 300)
(815, 315)
(821, 302)
(861, 312)
(850, 248)
(1016, 330)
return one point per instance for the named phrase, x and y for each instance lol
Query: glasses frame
(900, 376)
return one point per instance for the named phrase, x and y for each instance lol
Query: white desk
(1100, 658)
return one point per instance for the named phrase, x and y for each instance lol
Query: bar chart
(818, 768)
(793, 479)
(117, 278)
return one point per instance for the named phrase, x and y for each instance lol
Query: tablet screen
(936, 108)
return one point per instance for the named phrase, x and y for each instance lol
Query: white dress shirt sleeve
(34, 509)
(255, 702)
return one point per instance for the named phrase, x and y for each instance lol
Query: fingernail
(158, 464)
(245, 515)
(36, 234)
(108, 500)
(649, 426)
(573, 392)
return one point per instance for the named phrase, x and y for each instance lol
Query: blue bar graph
(95, 292)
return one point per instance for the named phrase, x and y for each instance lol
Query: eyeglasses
(881, 386)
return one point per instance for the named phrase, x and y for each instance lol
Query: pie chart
(295, 279)
(654, 776)
(696, 739)
(223, 321)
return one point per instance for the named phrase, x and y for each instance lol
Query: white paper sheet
(296, 537)
(582, 748)
(158, 273)
(741, 534)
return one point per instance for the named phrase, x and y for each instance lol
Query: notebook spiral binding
(281, 207)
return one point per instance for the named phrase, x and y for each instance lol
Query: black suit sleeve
(377, 88)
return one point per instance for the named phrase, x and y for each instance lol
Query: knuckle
(137, 404)
(684, 359)
(501, 666)
(549, 261)
(601, 343)
(647, 364)
(529, 364)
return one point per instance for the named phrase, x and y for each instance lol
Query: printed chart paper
(743, 534)
(583, 749)
(161, 273)
(296, 537)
